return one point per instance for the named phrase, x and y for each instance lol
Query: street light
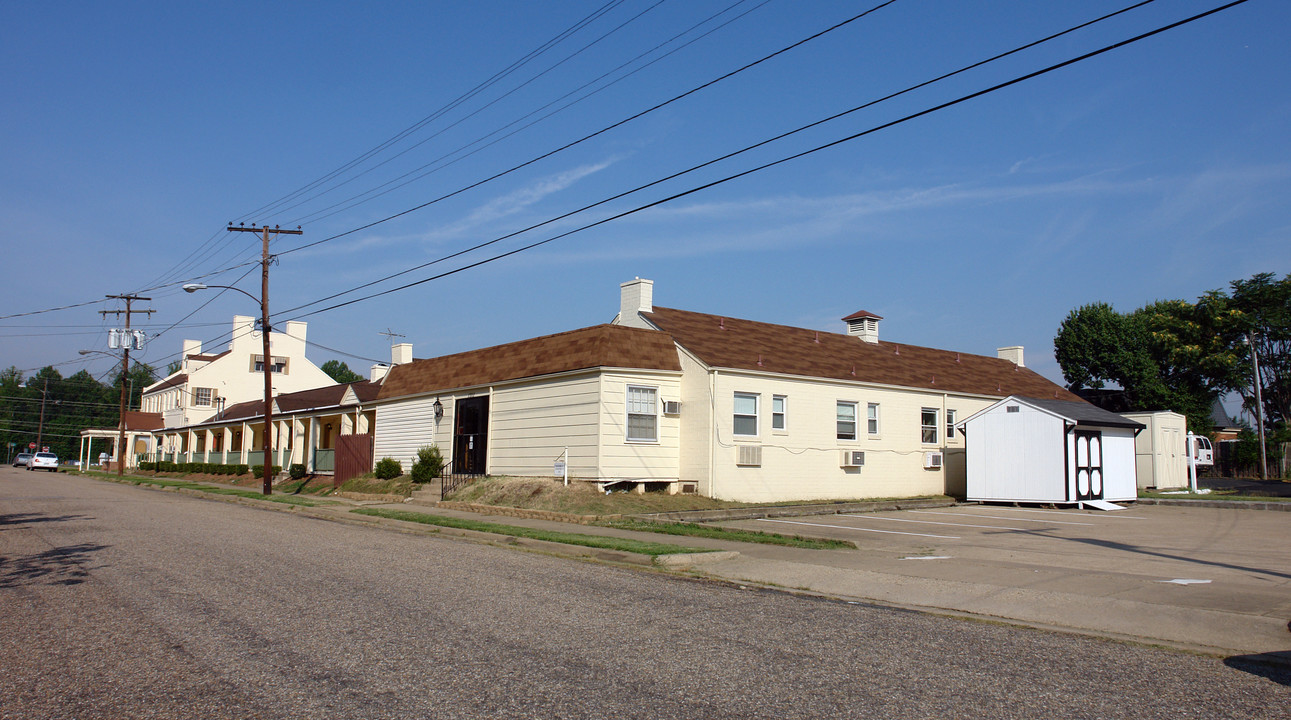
(121, 420)
(1249, 341)
(267, 444)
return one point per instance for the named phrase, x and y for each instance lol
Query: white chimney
(401, 354)
(378, 372)
(192, 347)
(864, 325)
(635, 296)
(1013, 354)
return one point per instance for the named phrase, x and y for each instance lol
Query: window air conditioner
(671, 407)
(750, 455)
(932, 460)
(853, 458)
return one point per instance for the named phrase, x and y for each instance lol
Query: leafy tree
(1263, 307)
(340, 372)
(174, 367)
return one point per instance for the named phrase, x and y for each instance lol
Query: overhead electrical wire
(804, 153)
(435, 165)
(495, 78)
(729, 155)
(589, 136)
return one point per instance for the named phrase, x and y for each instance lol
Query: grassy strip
(716, 533)
(237, 492)
(594, 541)
(1213, 496)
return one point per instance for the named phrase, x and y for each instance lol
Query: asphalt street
(128, 602)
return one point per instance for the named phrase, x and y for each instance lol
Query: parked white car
(43, 461)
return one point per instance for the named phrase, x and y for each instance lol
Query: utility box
(1161, 450)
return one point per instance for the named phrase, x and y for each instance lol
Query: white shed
(1159, 451)
(1025, 449)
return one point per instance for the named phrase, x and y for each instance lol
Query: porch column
(242, 446)
(310, 444)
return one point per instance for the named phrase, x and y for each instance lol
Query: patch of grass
(594, 541)
(369, 483)
(1214, 495)
(717, 533)
(314, 485)
(237, 492)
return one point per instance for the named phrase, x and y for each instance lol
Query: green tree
(1263, 313)
(340, 372)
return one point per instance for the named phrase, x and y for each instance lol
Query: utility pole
(40, 429)
(126, 341)
(267, 444)
(1259, 404)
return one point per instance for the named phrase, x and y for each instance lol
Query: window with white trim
(745, 420)
(277, 364)
(778, 407)
(203, 397)
(872, 418)
(950, 425)
(643, 414)
(846, 420)
(928, 426)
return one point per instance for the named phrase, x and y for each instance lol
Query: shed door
(1089, 465)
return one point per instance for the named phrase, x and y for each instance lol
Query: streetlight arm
(194, 287)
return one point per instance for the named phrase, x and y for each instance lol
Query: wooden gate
(353, 457)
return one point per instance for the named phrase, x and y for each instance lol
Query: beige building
(729, 408)
(207, 382)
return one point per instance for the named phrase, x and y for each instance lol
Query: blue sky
(133, 132)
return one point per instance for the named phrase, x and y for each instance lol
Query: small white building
(1024, 449)
(1160, 452)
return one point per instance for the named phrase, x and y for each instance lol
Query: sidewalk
(1115, 602)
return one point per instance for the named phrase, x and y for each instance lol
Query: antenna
(392, 335)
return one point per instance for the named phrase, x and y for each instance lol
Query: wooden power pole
(267, 443)
(126, 340)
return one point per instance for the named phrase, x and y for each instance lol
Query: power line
(602, 131)
(795, 156)
(727, 156)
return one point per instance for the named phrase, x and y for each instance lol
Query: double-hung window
(643, 414)
(928, 426)
(745, 420)
(872, 419)
(203, 397)
(778, 406)
(950, 425)
(846, 420)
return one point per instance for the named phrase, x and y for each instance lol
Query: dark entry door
(1089, 465)
(470, 435)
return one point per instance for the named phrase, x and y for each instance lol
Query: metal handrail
(451, 481)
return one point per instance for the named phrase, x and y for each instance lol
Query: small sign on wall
(559, 468)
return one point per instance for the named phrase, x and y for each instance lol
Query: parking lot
(1206, 577)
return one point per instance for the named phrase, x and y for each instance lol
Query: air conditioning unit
(749, 455)
(671, 407)
(852, 459)
(932, 460)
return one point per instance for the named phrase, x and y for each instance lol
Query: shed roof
(582, 349)
(749, 345)
(1083, 413)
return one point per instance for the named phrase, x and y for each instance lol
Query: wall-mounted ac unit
(750, 455)
(671, 407)
(852, 458)
(932, 460)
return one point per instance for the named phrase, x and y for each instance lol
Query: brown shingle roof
(597, 346)
(287, 403)
(749, 345)
(136, 420)
(164, 383)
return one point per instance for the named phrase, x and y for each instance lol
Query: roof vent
(864, 325)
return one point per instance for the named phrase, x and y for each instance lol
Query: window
(746, 414)
(872, 418)
(950, 425)
(643, 414)
(279, 364)
(846, 420)
(777, 412)
(203, 397)
(928, 425)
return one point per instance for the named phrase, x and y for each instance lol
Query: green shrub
(388, 469)
(258, 470)
(429, 465)
(241, 469)
(297, 471)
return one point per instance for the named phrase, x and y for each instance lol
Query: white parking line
(929, 522)
(997, 517)
(849, 527)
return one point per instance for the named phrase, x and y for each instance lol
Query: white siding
(531, 424)
(403, 427)
(1016, 456)
(657, 461)
(697, 431)
(1160, 457)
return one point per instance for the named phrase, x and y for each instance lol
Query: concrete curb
(753, 513)
(524, 513)
(684, 560)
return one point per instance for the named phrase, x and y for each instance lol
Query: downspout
(712, 439)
